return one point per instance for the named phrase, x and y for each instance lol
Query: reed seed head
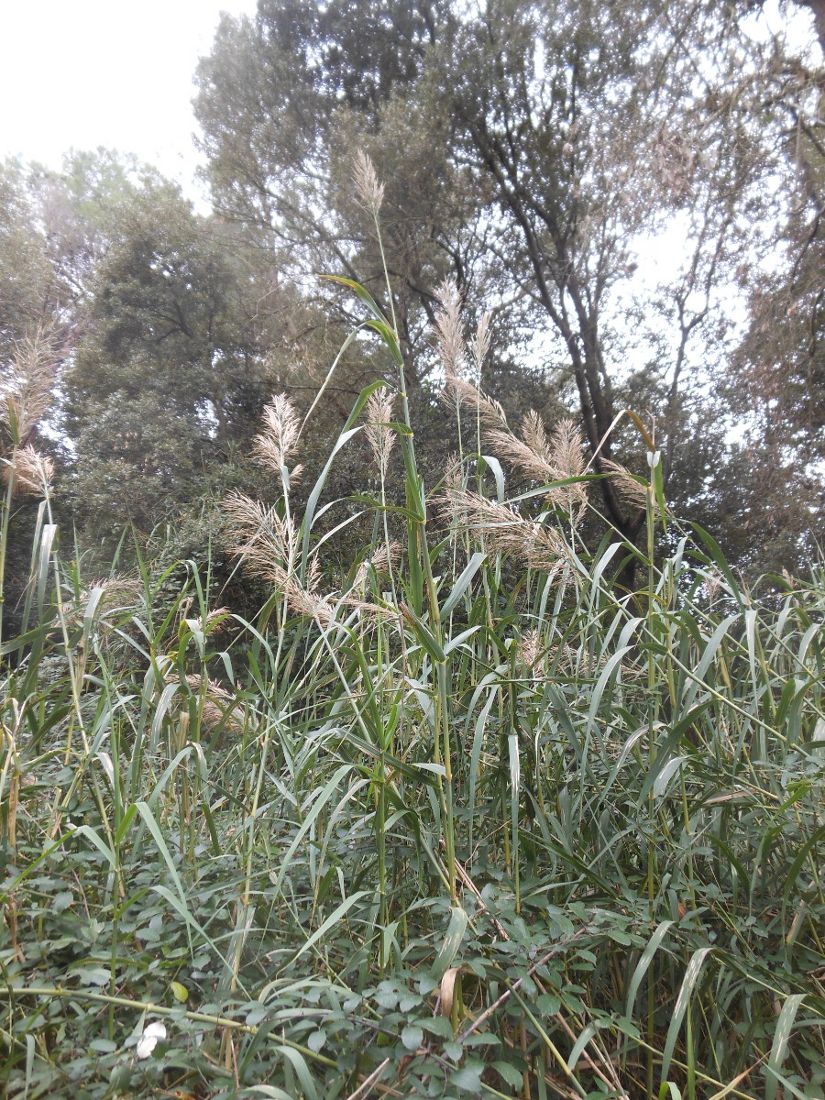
(629, 488)
(536, 546)
(220, 707)
(459, 391)
(382, 561)
(367, 185)
(545, 459)
(480, 346)
(263, 539)
(449, 330)
(282, 427)
(379, 433)
(28, 394)
(28, 472)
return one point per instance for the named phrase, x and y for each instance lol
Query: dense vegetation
(481, 819)
(409, 683)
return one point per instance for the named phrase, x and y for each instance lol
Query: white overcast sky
(117, 73)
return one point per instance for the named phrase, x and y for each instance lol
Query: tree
(284, 102)
(167, 383)
(55, 227)
(557, 137)
(27, 292)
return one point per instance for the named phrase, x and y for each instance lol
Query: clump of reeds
(555, 795)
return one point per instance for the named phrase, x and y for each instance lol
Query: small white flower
(152, 1034)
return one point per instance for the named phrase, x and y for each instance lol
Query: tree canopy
(529, 150)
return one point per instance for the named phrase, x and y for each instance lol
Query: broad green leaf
(691, 978)
(642, 965)
(781, 1037)
(412, 1037)
(463, 583)
(452, 941)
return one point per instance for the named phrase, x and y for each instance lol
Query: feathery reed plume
(322, 607)
(381, 437)
(117, 593)
(264, 539)
(461, 391)
(277, 442)
(530, 455)
(449, 330)
(536, 546)
(213, 623)
(107, 605)
(453, 354)
(546, 459)
(567, 451)
(531, 650)
(367, 186)
(386, 558)
(630, 488)
(29, 394)
(266, 542)
(381, 561)
(573, 662)
(29, 472)
(480, 346)
(219, 705)
(712, 583)
(306, 601)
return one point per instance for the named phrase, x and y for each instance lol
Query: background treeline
(528, 152)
